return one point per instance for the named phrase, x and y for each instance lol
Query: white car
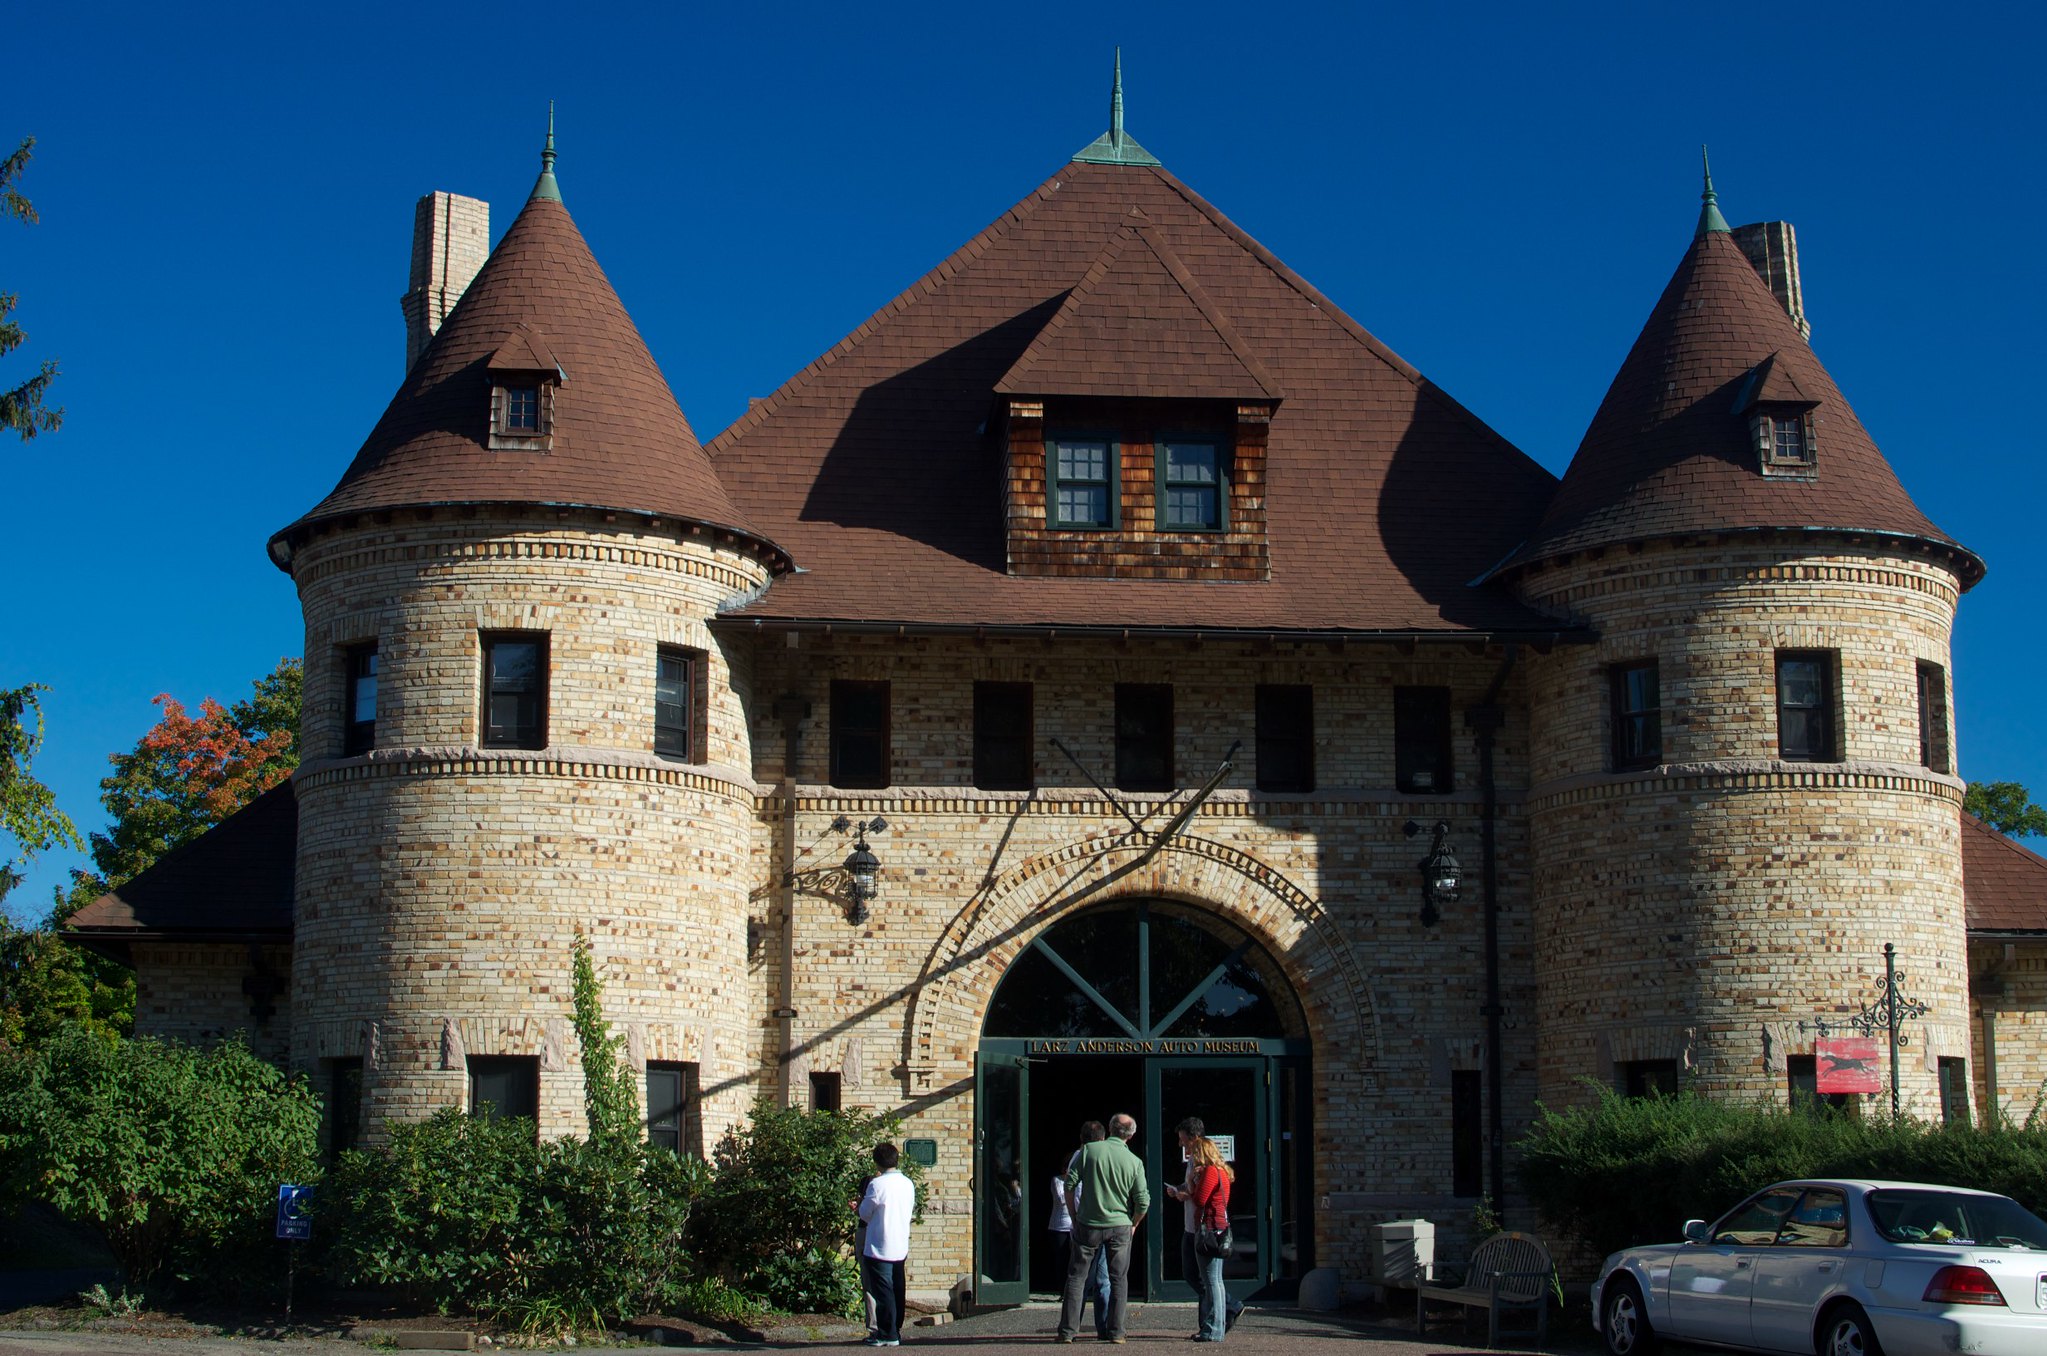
(1839, 1268)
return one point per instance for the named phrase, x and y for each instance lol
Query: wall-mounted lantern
(862, 867)
(1441, 875)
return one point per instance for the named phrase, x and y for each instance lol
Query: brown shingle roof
(2004, 885)
(233, 881)
(619, 440)
(1668, 452)
(878, 467)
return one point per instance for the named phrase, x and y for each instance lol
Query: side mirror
(1696, 1231)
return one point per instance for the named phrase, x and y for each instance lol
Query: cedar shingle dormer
(1134, 428)
(524, 375)
(1781, 421)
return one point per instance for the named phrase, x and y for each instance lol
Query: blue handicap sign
(294, 1213)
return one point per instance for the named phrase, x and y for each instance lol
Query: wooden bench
(1509, 1274)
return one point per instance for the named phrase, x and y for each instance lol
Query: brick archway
(958, 980)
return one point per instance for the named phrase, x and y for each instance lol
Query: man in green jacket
(1106, 1209)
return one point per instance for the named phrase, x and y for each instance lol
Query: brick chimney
(1772, 246)
(450, 241)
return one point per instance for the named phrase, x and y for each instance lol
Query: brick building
(1109, 679)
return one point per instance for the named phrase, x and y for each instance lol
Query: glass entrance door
(1002, 1169)
(1232, 1099)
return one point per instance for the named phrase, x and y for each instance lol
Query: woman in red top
(1210, 1180)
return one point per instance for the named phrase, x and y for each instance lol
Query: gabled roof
(2004, 885)
(233, 882)
(1668, 453)
(1139, 325)
(879, 466)
(617, 438)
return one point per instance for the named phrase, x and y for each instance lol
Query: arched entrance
(1162, 1011)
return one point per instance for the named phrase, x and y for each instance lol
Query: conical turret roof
(1670, 451)
(616, 440)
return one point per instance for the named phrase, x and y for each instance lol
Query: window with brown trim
(1285, 732)
(674, 1121)
(1933, 736)
(860, 734)
(1004, 752)
(504, 1085)
(1808, 706)
(1637, 715)
(677, 732)
(359, 695)
(1421, 740)
(1144, 736)
(825, 1091)
(514, 689)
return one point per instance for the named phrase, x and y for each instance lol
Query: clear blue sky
(1497, 192)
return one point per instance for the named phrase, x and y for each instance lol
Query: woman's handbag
(1212, 1242)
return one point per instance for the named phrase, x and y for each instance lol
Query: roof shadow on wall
(917, 457)
(1455, 500)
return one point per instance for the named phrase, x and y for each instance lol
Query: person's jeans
(1113, 1245)
(884, 1284)
(1214, 1304)
(1097, 1281)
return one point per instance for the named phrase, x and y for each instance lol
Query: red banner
(1848, 1064)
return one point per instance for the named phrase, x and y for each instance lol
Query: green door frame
(1162, 1141)
(1010, 1072)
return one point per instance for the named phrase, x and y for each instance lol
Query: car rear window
(1926, 1216)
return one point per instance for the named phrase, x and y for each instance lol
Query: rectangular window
(1421, 739)
(1004, 756)
(1190, 486)
(359, 726)
(514, 690)
(1954, 1090)
(344, 1106)
(1082, 492)
(1637, 716)
(675, 705)
(1802, 1072)
(522, 409)
(1646, 1077)
(1286, 737)
(1144, 736)
(504, 1085)
(824, 1092)
(1467, 1134)
(673, 1122)
(1933, 742)
(1807, 703)
(1788, 442)
(860, 734)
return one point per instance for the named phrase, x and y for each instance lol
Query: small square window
(1788, 440)
(674, 1122)
(1144, 736)
(1637, 716)
(1285, 731)
(1647, 1077)
(1808, 706)
(522, 409)
(1190, 486)
(1082, 489)
(359, 723)
(504, 1085)
(1004, 757)
(825, 1092)
(1421, 740)
(860, 734)
(675, 704)
(1933, 735)
(514, 690)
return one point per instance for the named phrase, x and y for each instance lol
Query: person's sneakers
(1230, 1318)
(1065, 1337)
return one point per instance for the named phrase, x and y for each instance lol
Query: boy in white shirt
(885, 1208)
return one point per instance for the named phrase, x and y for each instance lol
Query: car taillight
(1962, 1285)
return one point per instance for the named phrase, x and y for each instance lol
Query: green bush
(1631, 1170)
(775, 1220)
(173, 1153)
(464, 1212)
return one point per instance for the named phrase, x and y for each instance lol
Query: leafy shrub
(775, 1220)
(1631, 1170)
(173, 1153)
(464, 1212)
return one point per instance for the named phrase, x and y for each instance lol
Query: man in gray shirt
(1107, 1208)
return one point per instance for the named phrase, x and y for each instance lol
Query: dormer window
(1789, 438)
(1083, 488)
(524, 380)
(1191, 488)
(1780, 420)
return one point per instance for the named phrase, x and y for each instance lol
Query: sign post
(294, 1226)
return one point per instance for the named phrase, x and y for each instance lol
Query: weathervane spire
(1114, 147)
(1709, 215)
(1116, 104)
(545, 186)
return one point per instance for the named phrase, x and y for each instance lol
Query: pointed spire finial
(1114, 147)
(1709, 215)
(545, 186)
(1116, 103)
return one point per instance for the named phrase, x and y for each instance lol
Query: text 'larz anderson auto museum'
(1109, 679)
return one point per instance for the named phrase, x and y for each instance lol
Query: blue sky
(1498, 193)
